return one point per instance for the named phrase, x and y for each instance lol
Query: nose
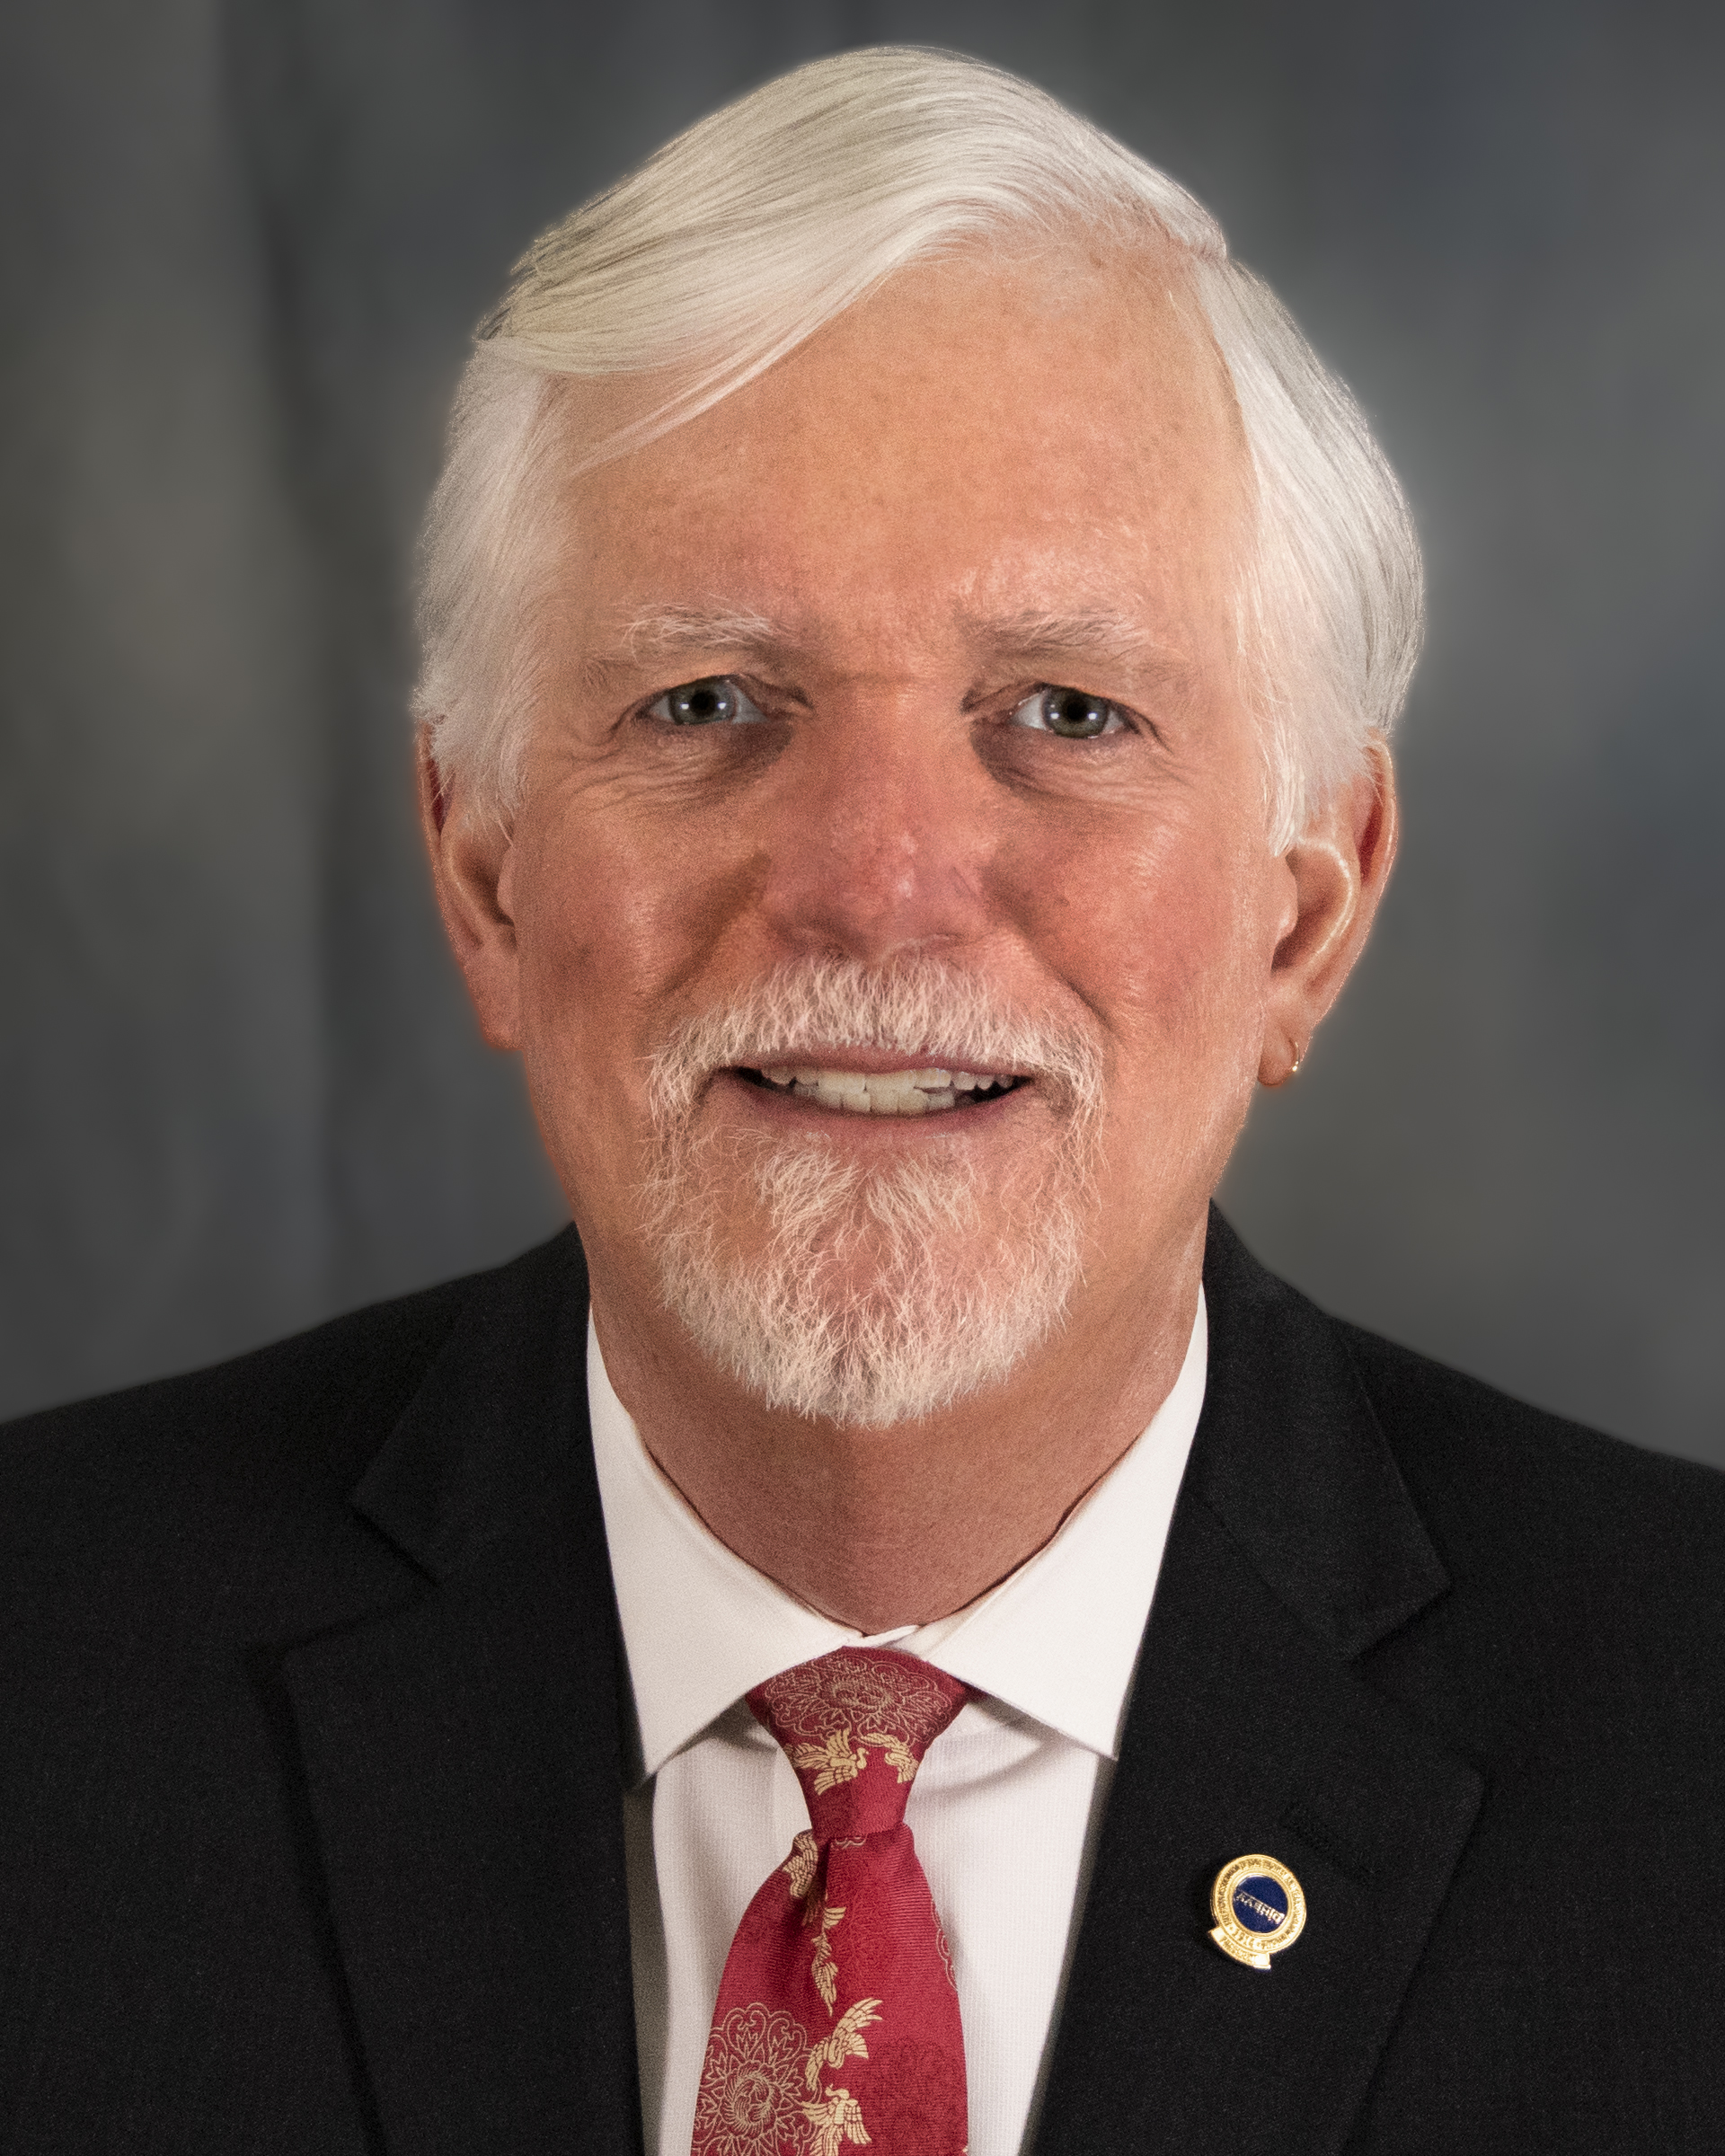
(877, 838)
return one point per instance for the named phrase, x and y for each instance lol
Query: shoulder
(1571, 1659)
(1491, 1475)
(1520, 1508)
(1581, 1639)
(253, 1458)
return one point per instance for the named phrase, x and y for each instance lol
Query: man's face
(909, 670)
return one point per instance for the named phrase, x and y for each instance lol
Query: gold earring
(1293, 1068)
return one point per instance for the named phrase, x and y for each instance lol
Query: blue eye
(715, 701)
(1070, 713)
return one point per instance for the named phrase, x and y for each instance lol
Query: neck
(881, 1528)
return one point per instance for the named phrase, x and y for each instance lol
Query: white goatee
(883, 1292)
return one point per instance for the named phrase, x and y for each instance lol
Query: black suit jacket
(310, 1833)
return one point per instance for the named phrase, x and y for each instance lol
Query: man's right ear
(472, 864)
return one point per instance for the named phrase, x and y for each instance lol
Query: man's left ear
(1337, 870)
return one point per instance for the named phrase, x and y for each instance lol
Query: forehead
(1052, 432)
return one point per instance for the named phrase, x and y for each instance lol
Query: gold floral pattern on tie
(940, 1940)
(801, 1868)
(832, 1763)
(802, 1865)
(836, 2120)
(752, 2089)
(899, 1755)
(846, 2042)
(846, 1913)
(760, 2087)
(893, 1694)
(825, 1969)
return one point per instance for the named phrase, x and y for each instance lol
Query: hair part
(766, 220)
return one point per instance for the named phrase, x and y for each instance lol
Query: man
(893, 1632)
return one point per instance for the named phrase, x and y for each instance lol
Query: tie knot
(854, 1725)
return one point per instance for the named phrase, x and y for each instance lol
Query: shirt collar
(1057, 1640)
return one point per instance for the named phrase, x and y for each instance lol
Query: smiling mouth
(925, 1093)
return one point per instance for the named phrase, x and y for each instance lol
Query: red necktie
(838, 2022)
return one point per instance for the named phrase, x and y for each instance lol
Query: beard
(869, 1294)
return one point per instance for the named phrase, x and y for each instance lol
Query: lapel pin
(1259, 1907)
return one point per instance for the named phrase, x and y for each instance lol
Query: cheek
(623, 912)
(584, 935)
(1153, 923)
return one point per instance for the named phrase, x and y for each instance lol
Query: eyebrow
(664, 635)
(1101, 635)
(667, 633)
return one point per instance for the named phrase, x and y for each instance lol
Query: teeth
(883, 1094)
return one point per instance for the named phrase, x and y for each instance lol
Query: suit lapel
(1294, 1547)
(463, 1754)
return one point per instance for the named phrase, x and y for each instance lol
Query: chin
(867, 1295)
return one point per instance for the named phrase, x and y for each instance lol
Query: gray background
(242, 250)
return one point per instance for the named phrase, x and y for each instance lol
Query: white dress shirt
(1004, 1811)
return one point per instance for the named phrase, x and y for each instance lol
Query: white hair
(744, 235)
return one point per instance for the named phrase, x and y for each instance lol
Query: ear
(1337, 870)
(472, 865)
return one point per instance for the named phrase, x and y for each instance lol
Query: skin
(976, 448)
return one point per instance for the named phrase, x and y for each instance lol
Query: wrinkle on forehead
(920, 428)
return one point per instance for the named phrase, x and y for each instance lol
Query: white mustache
(923, 1008)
